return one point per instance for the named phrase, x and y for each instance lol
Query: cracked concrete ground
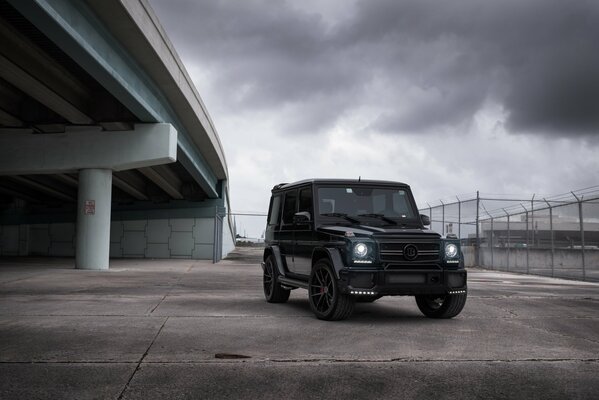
(178, 328)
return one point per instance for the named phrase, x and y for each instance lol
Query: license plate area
(413, 278)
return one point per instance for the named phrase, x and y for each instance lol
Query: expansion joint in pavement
(411, 360)
(142, 359)
(170, 289)
(538, 328)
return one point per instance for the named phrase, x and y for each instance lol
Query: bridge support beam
(93, 219)
(144, 146)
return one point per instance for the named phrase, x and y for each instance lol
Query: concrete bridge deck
(178, 329)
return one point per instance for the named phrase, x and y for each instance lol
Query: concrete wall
(38, 240)
(468, 252)
(567, 263)
(148, 238)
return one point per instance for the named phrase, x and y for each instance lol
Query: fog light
(363, 292)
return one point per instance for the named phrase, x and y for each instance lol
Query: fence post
(491, 243)
(442, 218)
(459, 218)
(532, 219)
(584, 274)
(527, 244)
(580, 216)
(508, 239)
(527, 235)
(490, 238)
(477, 244)
(551, 237)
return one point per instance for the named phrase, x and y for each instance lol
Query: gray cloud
(434, 64)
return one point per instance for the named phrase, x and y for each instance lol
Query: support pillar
(93, 218)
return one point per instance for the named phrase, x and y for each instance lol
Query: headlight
(451, 250)
(360, 250)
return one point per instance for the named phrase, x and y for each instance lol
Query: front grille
(392, 251)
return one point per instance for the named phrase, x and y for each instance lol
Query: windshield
(383, 204)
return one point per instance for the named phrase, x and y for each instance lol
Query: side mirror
(426, 221)
(301, 217)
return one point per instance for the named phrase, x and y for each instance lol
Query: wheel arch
(276, 253)
(267, 252)
(333, 255)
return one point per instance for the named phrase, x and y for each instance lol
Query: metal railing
(555, 236)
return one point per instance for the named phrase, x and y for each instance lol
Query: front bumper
(402, 282)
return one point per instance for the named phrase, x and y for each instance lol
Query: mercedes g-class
(358, 240)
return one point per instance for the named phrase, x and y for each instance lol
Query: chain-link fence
(555, 236)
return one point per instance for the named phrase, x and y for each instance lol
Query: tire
(443, 306)
(273, 291)
(326, 301)
(367, 299)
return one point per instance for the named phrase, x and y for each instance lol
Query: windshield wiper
(341, 215)
(381, 216)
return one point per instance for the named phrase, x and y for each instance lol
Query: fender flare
(276, 252)
(334, 257)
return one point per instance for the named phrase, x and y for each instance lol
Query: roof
(283, 186)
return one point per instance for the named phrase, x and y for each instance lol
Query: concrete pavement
(191, 329)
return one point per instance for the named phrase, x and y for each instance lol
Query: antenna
(359, 178)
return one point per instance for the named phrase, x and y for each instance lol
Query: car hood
(377, 231)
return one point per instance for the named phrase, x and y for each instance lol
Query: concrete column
(93, 218)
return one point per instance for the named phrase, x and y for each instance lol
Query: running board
(292, 282)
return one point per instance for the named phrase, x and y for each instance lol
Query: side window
(305, 201)
(290, 207)
(275, 211)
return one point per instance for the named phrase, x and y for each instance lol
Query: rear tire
(441, 306)
(326, 301)
(273, 291)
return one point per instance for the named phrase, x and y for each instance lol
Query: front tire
(441, 306)
(273, 291)
(326, 301)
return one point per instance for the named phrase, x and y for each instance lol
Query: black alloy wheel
(325, 300)
(273, 291)
(441, 306)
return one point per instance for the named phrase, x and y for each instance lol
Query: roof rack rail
(280, 185)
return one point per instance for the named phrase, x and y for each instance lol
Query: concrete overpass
(105, 144)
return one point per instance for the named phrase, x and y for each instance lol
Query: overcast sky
(448, 96)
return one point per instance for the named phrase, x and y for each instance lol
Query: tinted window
(290, 207)
(305, 200)
(275, 211)
(390, 202)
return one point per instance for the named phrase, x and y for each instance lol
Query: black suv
(356, 240)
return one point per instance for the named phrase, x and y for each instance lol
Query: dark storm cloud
(426, 64)
(267, 50)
